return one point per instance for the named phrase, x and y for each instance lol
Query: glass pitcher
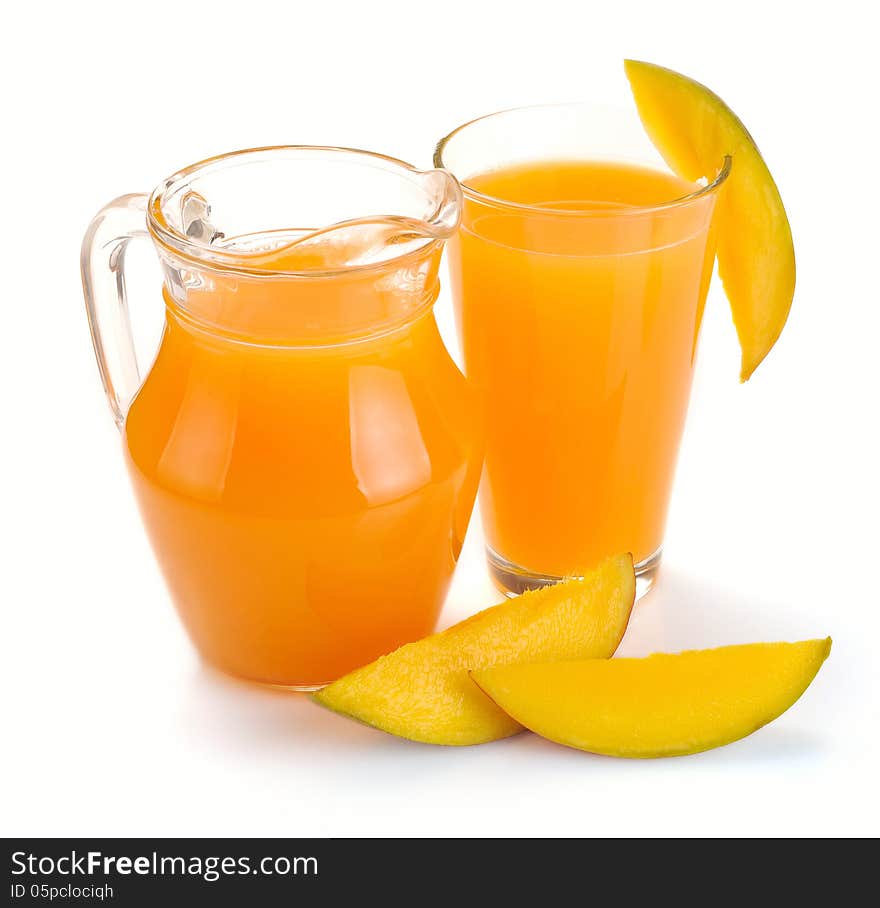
(303, 450)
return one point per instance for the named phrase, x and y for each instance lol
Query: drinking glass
(579, 312)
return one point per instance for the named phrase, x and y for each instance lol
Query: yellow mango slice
(422, 690)
(694, 129)
(662, 706)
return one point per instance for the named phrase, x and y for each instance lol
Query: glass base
(512, 579)
(305, 687)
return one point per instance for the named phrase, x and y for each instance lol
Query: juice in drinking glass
(579, 277)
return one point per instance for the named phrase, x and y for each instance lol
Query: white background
(112, 726)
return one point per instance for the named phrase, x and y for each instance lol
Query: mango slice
(694, 129)
(422, 690)
(662, 706)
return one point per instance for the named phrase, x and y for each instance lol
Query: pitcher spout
(441, 186)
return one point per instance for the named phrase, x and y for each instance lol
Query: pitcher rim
(219, 259)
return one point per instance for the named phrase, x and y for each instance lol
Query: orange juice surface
(307, 499)
(580, 296)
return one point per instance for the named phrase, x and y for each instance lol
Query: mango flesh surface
(694, 129)
(422, 691)
(662, 706)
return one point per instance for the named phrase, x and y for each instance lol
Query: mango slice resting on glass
(694, 130)
(422, 691)
(662, 706)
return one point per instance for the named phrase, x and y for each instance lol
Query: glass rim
(469, 192)
(234, 262)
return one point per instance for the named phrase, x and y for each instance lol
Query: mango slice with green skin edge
(694, 129)
(422, 691)
(662, 706)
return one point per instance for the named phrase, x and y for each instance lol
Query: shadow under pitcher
(579, 275)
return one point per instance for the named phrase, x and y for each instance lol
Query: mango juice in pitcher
(303, 450)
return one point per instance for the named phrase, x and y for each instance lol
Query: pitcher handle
(102, 262)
